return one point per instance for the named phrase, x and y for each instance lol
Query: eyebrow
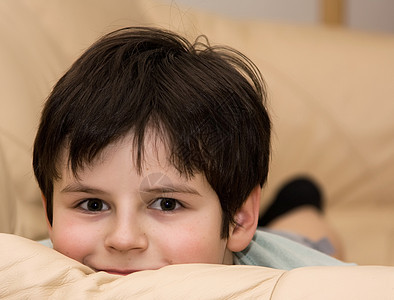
(80, 188)
(170, 189)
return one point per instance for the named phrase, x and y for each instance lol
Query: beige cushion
(36, 272)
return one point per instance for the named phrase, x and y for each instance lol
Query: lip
(119, 272)
(123, 272)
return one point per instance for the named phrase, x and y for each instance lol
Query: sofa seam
(277, 282)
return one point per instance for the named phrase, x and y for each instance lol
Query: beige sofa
(33, 271)
(331, 101)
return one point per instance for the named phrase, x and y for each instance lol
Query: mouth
(119, 272)
(123, 272)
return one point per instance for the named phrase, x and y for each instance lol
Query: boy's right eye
(93, 205)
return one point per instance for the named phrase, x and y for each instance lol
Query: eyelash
(86, 202)
(157, 201)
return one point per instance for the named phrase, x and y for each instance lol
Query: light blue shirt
(274, 251)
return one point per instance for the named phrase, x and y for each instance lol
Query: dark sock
(298, 192)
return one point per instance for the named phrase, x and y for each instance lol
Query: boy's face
(112, 218)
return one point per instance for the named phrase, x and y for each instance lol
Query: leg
(298, 209)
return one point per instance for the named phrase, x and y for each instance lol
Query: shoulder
(46, 242)
(274, 251)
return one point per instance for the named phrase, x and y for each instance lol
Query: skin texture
(114, 219)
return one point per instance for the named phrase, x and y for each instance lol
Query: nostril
(126, 239)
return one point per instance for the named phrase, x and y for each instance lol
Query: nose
(126, 234)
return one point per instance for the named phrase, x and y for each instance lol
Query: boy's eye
(165, 204)
(94, 205)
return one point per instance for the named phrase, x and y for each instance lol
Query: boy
(153, 151)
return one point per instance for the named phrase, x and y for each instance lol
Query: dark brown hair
(208, 101)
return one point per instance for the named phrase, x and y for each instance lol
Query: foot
(296, 193)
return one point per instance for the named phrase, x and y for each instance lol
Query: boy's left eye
(165, 204)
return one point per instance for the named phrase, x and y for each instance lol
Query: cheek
(194, 243)
(72, 239)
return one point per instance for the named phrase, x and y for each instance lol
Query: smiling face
(115, 219)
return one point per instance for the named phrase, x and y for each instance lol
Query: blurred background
(367, 15)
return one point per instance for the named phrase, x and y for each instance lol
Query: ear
(49, 226)
(246, 219)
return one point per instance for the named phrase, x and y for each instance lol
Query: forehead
(154, 150)
(155, 155)
(117, 162)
